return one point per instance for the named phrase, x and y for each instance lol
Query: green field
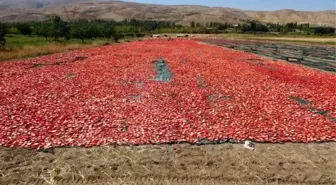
(20, 46)
(21, 41)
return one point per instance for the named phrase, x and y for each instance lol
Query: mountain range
(30, 10)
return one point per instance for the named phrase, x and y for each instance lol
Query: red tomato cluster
(111, 96)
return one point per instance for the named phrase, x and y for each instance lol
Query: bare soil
(172, 164)
(298, 40)
(317, 57)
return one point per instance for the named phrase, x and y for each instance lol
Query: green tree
(3, 33)
(192, 24)
(13, 30)
(94, 31)
(284, 29)
(254, 26)
(43, 29)
(109, 32)
(79, 31)
(305, 26)
(139, 35)
(59, 28)
(85, 30)
(24, 28)
(324, 30)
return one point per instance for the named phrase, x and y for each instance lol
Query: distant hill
(38, 3)
(28, 10)
(321, 18)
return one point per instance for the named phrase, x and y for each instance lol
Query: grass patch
(20, 46)
(14, 41)
(38, 50)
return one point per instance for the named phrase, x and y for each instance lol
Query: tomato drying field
(120, 95)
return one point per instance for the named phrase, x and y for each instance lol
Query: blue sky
(312, 5)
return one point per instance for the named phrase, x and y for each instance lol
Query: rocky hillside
(18, 10)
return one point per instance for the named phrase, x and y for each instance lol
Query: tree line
(56, 28)
(303, 28)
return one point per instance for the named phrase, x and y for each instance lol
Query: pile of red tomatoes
(110, 95)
